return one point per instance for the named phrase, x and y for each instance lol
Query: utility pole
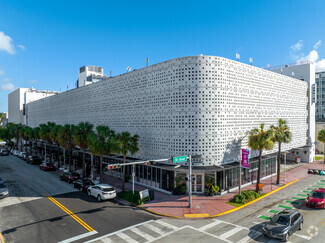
(190, 182)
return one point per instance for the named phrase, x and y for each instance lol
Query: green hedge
(130, 197)
(245, 197)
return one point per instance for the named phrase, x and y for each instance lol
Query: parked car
(1, 181)
(283, 224)
(310, 171)
(34, 159)
(21, 154)
(70, 176)
(4, 192)
(102, 192)
(316, 198)
(25, 156)
(4, 152)
(47, 167)
(83, 184)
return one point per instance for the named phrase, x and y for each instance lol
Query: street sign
(179, 159)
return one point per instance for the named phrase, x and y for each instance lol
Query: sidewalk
(202, 206)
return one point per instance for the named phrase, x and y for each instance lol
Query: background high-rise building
(90, 74)
(320, 105)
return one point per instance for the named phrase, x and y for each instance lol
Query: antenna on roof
(251, 61)
(128, 69)
(281, 70)
(293, 74)
(147, 61)
(110, 73)
(268, 66)
(237, 56)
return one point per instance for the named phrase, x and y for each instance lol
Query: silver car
(4, 192)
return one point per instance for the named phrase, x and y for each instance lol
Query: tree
(102, 142)
(15, 132)
(321, 138)
(66, 139)
(282, 135)
(45, 134)
(54, 134)
(125, 144)
(81, 133)
(260, 139)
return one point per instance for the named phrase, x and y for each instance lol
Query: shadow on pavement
(255, 230)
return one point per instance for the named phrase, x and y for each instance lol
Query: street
(41, 208)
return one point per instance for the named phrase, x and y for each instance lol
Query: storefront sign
(245, 158)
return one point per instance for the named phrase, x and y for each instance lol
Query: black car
(4, 152)
(70, 176)
(82, 185)
(34, 159)
(283, 224)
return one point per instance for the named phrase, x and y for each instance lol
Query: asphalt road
(39, 208)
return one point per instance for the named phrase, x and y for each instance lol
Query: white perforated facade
(189, 105)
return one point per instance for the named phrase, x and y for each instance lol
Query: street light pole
(285, 163)
(190, 183)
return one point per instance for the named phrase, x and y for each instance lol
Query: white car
(21, 154)
(102, 192)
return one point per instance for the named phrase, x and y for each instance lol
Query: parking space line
(264, 217)
(75, 217)
(306, 191)
(292, 202)
(302, 195)
(320, 184)
(273, 211)
(310, 188)
(297, 198)
(283, 206)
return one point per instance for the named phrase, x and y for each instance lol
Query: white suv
(102, 192)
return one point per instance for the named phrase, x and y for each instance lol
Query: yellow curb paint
(166, 215)
(75, 217)
(235, 209)
(197, 215)
(1, 238)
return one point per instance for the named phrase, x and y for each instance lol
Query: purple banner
(245, 158)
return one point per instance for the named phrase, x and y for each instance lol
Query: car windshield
(2, 186)
(280, 220)
(318, 195)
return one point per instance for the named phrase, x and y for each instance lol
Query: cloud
(312, 56)
(6, 44)
(2, 72)
(317, 44)
(33, 82)
(320, 65)
(22, 47)
(297, 46)
(6, 79)
(7, 86)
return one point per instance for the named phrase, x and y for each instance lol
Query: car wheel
(99, 198)
(89, 194)
(300, 225)
(286, 237)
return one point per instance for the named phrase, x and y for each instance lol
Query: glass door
(197, 183)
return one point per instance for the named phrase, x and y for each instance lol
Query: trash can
(152, 195)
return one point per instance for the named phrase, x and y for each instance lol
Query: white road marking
(130, 227)
(205, 227)
(230, 233)
(126, 237)
(252, 237)
(154, 229)
(78, 237)
(142, 234)
(106, 240)
(165, 224)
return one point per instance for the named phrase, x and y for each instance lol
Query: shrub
(180, 190)
(210, 188)
(130, 197)
(239, 199)
(245, 197)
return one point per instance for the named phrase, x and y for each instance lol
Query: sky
(44, 43)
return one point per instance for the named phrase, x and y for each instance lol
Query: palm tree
(54, 134)
(102, 142)
(260, 139)
(15, 132)
(125, 144)
(81, 139)
(282, 135)
(45, 134)
(321, 138)
(66, 139)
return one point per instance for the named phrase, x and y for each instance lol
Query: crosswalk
(217, 230)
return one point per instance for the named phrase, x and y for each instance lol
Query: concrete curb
(245, 205)
(2, 239)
